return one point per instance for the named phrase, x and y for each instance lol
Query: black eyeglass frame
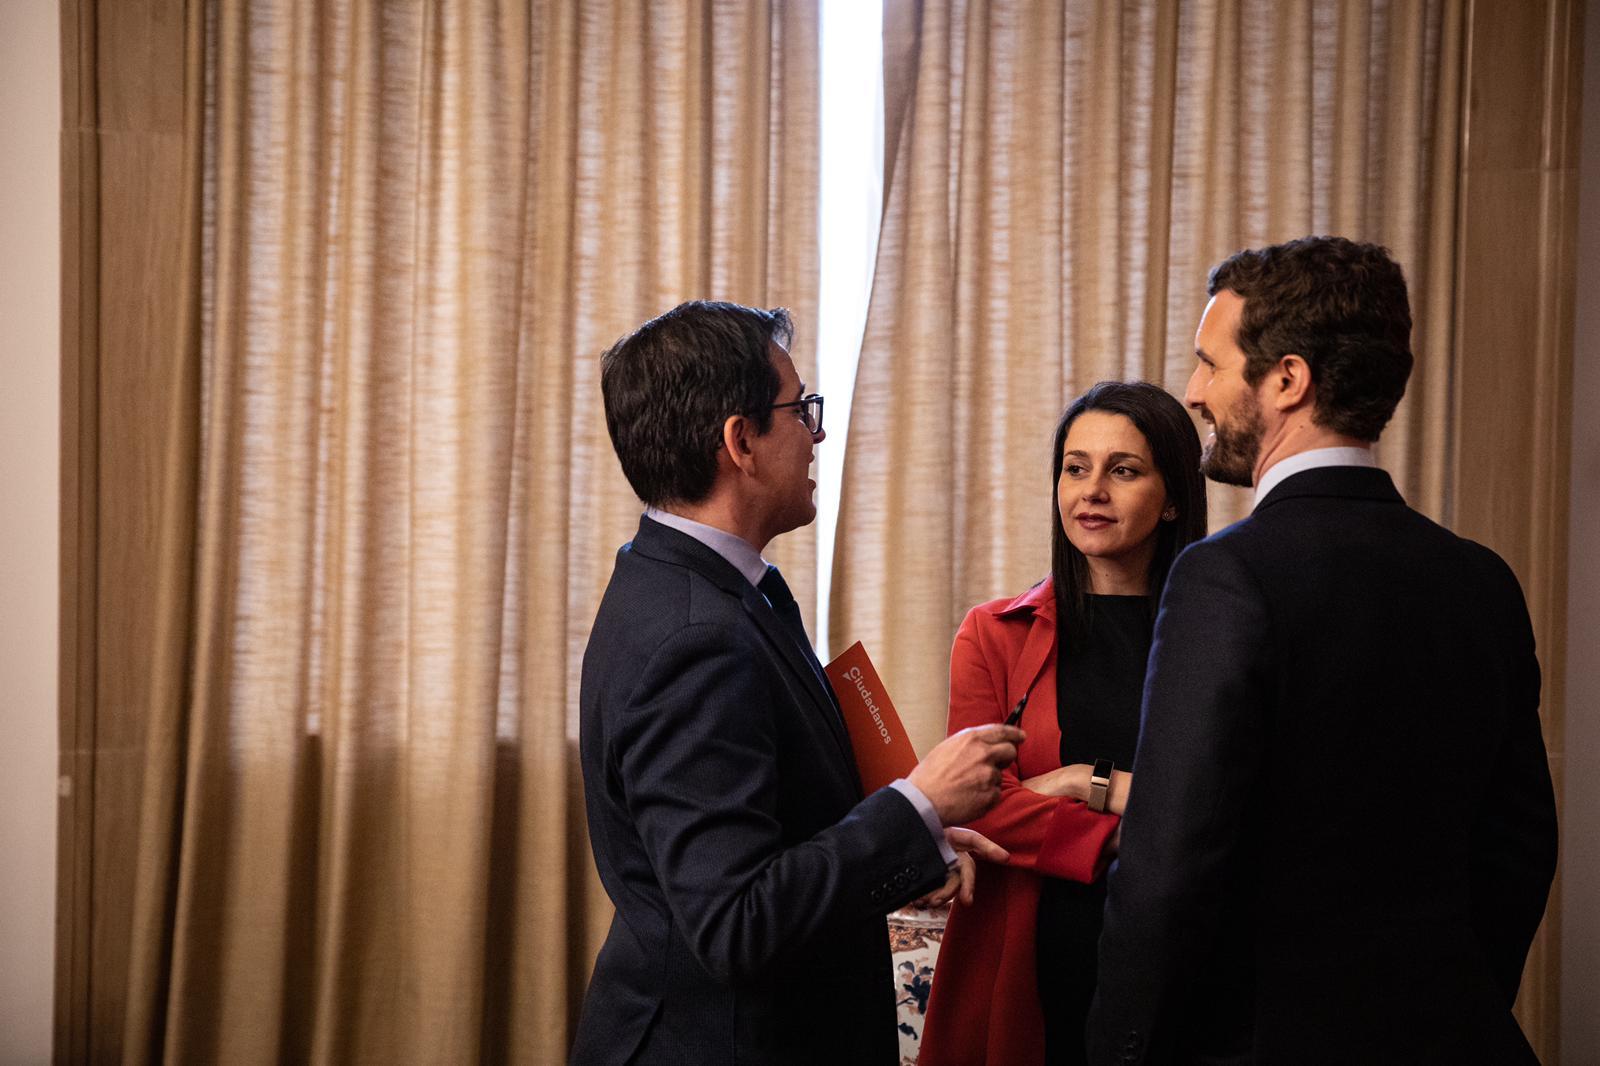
(807, 405)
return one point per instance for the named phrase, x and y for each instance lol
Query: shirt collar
(1310, 460)
(740, 553)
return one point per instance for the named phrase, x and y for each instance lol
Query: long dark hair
(1174, 446)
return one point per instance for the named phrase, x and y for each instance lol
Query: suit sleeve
(1201, 743)
(697, 753)
(1514, 856)
(1051, 835)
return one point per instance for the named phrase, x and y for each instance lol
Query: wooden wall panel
(139, 66)
(125, 357)
(79, 451)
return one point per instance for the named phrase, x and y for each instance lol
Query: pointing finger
(970, 840)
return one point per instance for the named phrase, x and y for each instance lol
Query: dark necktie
(776, 590)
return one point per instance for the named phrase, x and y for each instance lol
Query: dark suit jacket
(749, 875)
(1342, 831)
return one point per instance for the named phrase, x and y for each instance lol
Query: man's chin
(799, 518)
(1226, 469)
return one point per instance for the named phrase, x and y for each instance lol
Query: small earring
(1169, 514)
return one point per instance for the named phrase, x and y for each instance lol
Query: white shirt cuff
(930, 817)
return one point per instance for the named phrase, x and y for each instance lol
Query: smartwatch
(1099, 784)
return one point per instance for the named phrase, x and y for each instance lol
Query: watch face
(1102, 769)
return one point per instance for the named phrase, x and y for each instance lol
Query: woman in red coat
(1016, 970)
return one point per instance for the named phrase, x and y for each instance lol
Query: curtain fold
(410, 230)
(1062, 177)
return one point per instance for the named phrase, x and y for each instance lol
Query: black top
(1099, 685)
(1100, 680)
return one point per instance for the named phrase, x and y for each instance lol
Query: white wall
(1580, 829)
(30, 374)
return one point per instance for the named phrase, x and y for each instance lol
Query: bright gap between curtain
(849, 215)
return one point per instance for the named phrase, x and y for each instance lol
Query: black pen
(1016, 712)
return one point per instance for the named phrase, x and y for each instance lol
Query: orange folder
(883, 751)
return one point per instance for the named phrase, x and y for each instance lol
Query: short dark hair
(1341, 306)
(1175, 449)
(669, 386)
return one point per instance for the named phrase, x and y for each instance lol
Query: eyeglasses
(810, 411)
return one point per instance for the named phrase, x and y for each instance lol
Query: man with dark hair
(750, 875)
(1343, 834)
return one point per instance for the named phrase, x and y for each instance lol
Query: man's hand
(958, 880)
(961, 775)
(959, 883)
(970, 840)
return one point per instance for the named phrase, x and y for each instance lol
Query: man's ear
(1290, 383)
(737, 432)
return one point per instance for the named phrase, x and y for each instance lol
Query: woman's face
(1110, 494)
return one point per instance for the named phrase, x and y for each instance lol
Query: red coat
(984, 1007)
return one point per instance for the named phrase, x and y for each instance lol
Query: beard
(1231, 457)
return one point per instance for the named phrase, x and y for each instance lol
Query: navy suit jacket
(749, 875)
(1342, 831)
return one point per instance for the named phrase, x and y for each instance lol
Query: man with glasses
(750, 875)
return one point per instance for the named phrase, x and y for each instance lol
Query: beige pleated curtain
(1060, 178)
(338, 501)
(374, 500)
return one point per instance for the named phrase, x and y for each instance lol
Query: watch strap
(1100, 784)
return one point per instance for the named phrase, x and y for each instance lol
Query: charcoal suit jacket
(1341, 833)
(750, 876)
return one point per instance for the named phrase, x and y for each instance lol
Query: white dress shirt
(1311, 460)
